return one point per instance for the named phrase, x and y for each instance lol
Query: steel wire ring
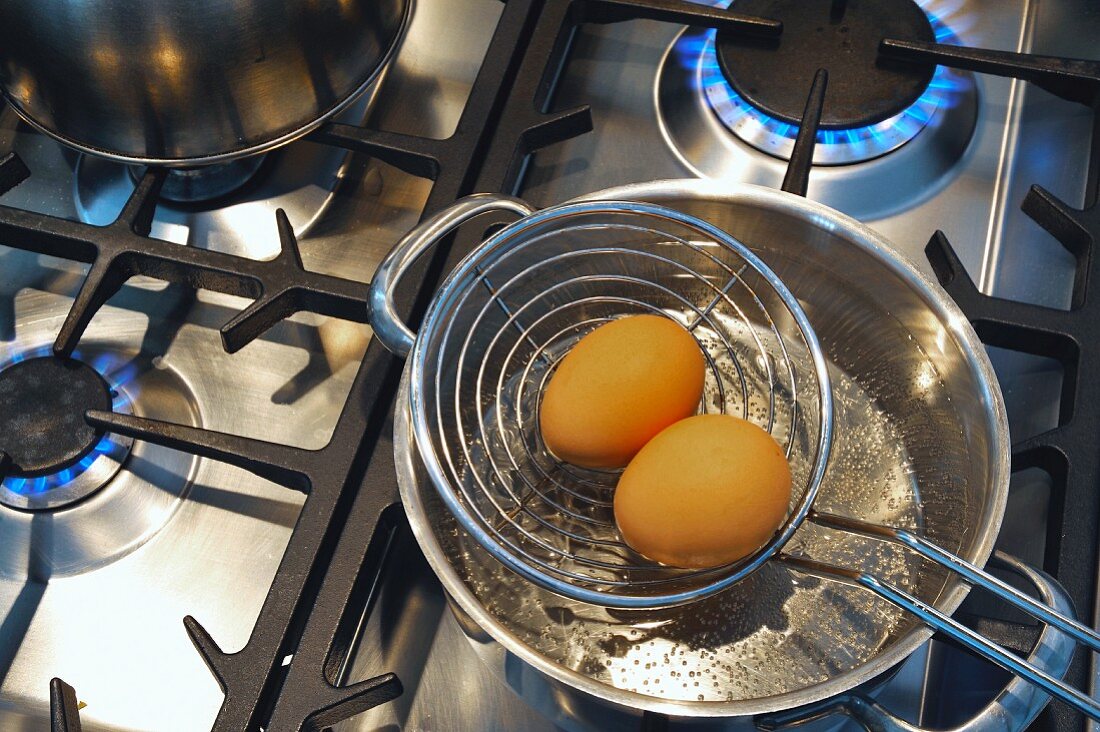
(472, 507)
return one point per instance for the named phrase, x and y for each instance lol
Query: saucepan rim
(939, 304)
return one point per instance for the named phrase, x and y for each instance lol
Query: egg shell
(618, 387)
(707, 491)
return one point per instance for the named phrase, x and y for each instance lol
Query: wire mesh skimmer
(515, 306)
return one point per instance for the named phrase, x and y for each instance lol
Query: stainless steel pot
(160, 82)
(921, 442)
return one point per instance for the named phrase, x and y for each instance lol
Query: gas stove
(220, 545)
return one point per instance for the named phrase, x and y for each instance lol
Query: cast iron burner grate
(327, 575)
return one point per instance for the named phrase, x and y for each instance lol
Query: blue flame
(696, 51)
(117, 375)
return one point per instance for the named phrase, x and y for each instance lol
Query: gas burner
(115, 497)
(300, 179)
(773, 75)
(854, 128)
(204, 183)
(217, 206)
(54, 457)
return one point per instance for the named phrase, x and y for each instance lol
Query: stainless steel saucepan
(188, 83)
(862, 369)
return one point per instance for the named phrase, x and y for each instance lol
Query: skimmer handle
(972, 574)
(1014, 709)
(934, 618)
(384, 319)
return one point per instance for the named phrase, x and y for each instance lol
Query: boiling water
(775, 631)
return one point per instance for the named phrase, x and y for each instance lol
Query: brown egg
(707, 491)
(618, 387)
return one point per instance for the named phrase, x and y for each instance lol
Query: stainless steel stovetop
(174, 535)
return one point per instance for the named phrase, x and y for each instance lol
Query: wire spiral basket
(511, 311)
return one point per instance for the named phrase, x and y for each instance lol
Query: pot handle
(1016, 707)
(387, 324)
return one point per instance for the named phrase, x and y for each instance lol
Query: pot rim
(224, 156)
(938, 301)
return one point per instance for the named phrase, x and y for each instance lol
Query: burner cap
(42, 405)
(774, 75)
